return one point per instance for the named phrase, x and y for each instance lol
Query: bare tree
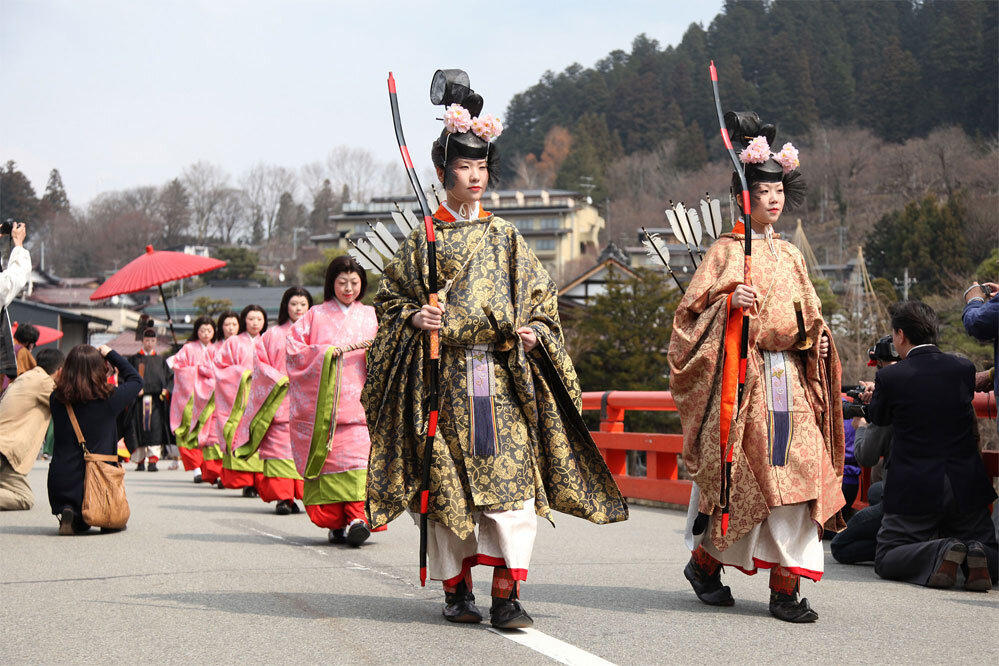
(312, 176)
(229, 216)
(206, 185)
(356, 168)
(263, 185)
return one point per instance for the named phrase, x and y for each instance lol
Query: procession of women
(453, 397)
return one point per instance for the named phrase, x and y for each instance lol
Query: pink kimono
(203, 415)
(233, 365)
(264, 426)
(331, 453)
(183, 417)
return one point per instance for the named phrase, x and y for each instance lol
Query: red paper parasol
(153, 269)
(45, 333)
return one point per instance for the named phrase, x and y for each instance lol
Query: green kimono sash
(183, 431)
(263, 418)
(327, 404)
(238, 407)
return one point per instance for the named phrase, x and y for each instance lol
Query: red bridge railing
(662, 482)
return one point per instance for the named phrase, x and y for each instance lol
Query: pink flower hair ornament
(788, 157)
(758, 152)
(458, 120)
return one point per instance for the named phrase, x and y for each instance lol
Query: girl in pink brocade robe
(264, 426)
(233, 365)
(183, 417)
(330, 444)
(204, 400)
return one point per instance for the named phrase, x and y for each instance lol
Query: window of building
(525, 225)
(544, 244)
(360, 228)
(550, 223)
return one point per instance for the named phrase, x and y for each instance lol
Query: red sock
(504, 585)
(704, 561)
(153, 459)
(783, 581)
(466, 576)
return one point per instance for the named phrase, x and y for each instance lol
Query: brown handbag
(104, 501)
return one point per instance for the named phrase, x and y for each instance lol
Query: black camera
(883, 350)
(856, 408)
(6, 227)
(988, 291)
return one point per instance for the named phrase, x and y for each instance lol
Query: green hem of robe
(324, 426)
(279, 468)
(261, 422)
(238, 407)
(183, 433)
(251, 464)
(332, 488)
(213, 452)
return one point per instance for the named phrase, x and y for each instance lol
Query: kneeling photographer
(936, 519)
(871, 444)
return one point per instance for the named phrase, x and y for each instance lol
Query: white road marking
(551, 647)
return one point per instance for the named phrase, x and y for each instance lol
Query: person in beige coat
(24, 418)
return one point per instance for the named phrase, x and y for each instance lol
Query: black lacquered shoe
(459, 606)
(509, 614)
(357, 533)
(786, 607)
(708, 588)
(337, 536)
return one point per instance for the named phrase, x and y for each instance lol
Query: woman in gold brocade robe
(510, 443)
(787, 434)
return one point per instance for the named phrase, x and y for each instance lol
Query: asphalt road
(203, 575)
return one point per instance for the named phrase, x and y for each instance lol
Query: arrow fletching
(674, 225)
(365, 255)
(656, 248)
(694, 226)
(387, 237)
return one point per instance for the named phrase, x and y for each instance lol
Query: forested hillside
(899, 68)
(894, 105)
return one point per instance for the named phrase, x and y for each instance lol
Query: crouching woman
(83, 384)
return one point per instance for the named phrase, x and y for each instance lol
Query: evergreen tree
(891, 93)
(54, 201)
(17, 197)
(175, 211)
(691, 149)
(625, 333)
(323, 205)
(926, 238)
(286, 216)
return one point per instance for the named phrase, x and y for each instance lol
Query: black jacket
(926, 398)
(97, 422)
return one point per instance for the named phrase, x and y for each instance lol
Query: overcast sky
(118, 93)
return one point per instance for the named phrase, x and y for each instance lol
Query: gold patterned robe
(532, 448)
(808, 466)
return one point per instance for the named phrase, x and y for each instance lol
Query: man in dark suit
(936, 502)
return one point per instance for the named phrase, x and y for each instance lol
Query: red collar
(444, 215)
(143, 352)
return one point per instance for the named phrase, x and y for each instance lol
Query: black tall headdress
(746, 131)
(467, 133)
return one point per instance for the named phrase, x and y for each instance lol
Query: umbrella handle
(166, 309)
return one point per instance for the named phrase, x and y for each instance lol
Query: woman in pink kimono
(185, 374)
(329, 435)
(233, 365)
(204, 400)
(264, 426)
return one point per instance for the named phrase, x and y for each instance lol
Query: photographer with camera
(936, 517)
(871, 444)
(13, 279)
(981, 321)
